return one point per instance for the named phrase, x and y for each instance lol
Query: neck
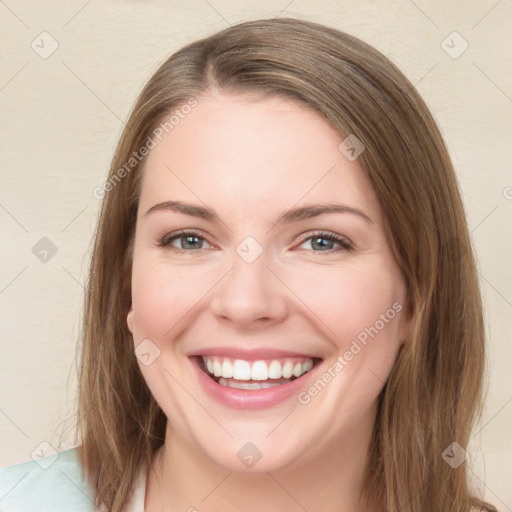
(183, 478)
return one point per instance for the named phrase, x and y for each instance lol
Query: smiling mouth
(252, 375)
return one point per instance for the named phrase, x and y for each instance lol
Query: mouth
(254, 375)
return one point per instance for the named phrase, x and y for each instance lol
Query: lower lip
(255, 398)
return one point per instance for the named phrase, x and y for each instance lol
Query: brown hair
(434, 393)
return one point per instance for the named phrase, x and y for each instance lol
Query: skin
(249, 159)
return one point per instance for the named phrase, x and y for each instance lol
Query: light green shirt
(55, 483)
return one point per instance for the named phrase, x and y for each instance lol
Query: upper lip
(254, 354)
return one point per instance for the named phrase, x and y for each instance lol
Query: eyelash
(345, 244)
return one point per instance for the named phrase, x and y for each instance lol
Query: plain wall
(61, 117)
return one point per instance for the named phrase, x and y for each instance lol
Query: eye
(188, 241)
(325, 241)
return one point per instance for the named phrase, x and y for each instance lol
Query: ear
(130, 319)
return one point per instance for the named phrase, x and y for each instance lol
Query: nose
(250, 295)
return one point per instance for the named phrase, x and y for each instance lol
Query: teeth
(297, 370)
(261, 370)
(217, 370)
(230, 383)
(274, 370)
(241, 370)
(287, 370)
(227, 369)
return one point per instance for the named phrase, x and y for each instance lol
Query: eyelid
(322, 232)
(344, 242)
(165, 240)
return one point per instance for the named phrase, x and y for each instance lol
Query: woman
(324, 352)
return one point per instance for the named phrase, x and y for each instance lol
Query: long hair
(433, 395)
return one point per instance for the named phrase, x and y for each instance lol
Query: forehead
(241, 150)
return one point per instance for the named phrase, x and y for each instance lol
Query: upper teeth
(257, 370)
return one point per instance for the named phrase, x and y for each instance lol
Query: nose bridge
(249, 292)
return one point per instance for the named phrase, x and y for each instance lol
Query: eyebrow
(293, 215)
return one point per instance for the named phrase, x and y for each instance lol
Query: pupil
(326, 242)
(188, 238)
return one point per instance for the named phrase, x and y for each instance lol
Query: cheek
(359, 311)
(163, 296)
(354, 303)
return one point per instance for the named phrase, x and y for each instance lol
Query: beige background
(62, 116)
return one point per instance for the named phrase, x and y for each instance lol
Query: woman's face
(241, 270)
